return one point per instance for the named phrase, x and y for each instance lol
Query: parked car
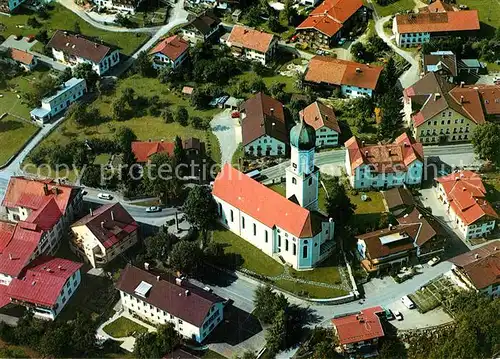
(408, 302)
(463, 7)
(342, 41)
(398, 315)
(434, 261)
(153, 209)
(235, 114)
(294, 38)
(388, 314)
(105, 196)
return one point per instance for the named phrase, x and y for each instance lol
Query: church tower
(302, 175)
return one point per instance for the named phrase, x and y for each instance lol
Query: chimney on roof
(146, 265)
(462, 84)
(476, 256)
(96, 45)
(46, 189)
(91, 212)
(437, 96)
(420, 216)
(112, 215)
(390, 226)
(10, 256)
(363, 143)
(102, 224)
(59, 267)
(157, 278)
(272, 111)
(366, 153)
(186, 292)
(65, 33)
(390, 152)
(178, 281)
(358, 70)
(462, 99)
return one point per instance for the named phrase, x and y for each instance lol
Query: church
(290, 229)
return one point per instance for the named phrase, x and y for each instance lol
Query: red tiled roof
(172, 47)
(481, 265)
(249, 38)
(110, 224)
(79, 46)
(21, 56)
(43, 281)
(324, 69)
(319, 115)
(437, 6)
(385, 158)
(145, 149)
(376, 249)
(17, 247)
(329, 16)
(264, 116)
(464, 20)
(4, 297)
(354, 328)
(168, 296)
(262, 203)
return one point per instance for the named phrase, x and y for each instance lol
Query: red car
(235, 114)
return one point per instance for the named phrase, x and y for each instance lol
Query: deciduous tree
(486, 142)
(201, 209)
(185, 257)
(338, 204)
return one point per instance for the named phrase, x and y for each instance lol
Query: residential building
(201, 28)
(478, 269)
(193, 311)
(144, 150)
(102, 235)
(8, 6)
(353, 79)
(42, 206)
(288, 229)
(252, 44)
(22, 58)
(73, 49)
(398, 200)
(123, 6)
(169, 52)
(46, 286)
(441, 112)
(65, 95)
(359, 333)
(322, 119)
(384, 166)
(442, 62)
(439, 19)
(330, 21)
(464, 196)
(263, 127)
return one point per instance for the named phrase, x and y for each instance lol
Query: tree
(179, 155)
(124, 137)
(276, 335)
(85, 71)
(267, 303)
(201, 209)
(40, 88)
(119, 109)
(128, 95)
(167, 115)
(185, 257)
(65, 75)
(76, 27)
(391, 113)
(486, 142)
(338, 204)
(182, 116)
(257, 85)
(159, 246)
(274, 24)
(142, 65)
(389, 77)
(358, 51)
(33, 22)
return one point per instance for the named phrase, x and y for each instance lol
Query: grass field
(63, 19)
(391, 9)
(492, 184)
(13, 134)
(268, 80)
(124, 327)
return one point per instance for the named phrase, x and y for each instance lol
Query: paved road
(228, 132)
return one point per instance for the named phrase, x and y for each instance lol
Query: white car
(105, 196)
(398, 315)
(434, 261)
(153, 209)
(408, 302)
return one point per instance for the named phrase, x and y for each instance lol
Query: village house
(193, 311)
(65, 95)
(73, 49)
(22, 58)
(464, 195)
(171, 51)
(43, 207)
(144, 150)
(443, 112)
(478, 269)
(384, 166)
(289, 229)
(123, 6)
(263, 127)
(103, 234)
(359, 333)
(330, 21)
(45, 286)
(252, 44)
(8, 6)
(447, 65)
(353, 79)
(201, 28)
(322, 119)
(439, 19)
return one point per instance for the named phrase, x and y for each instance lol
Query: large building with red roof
(359, 332)
(103, 234)
(436, 20)
(464, 195)
(384, 166)
(288, 228)
(330, 21)
(252, 44)
(171, 51)
(193, 311)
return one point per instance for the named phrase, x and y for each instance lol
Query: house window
(294, 249)
(266, 236)
(232, 216)
(310, 181)
(304, 252)
(242, 222)
(279, 240)
(254, 229)
(286, 245)
(294, 180)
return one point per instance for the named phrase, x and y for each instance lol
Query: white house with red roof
(45, 286)
(252, 44)
(384, 166)
(171, 51)
(42, 206)
(359, 332)
(103, 234)
(322, 118)
(288, 228)
(464, 196)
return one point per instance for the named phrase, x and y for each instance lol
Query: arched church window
(304, 252)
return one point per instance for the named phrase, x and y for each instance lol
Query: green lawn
(489, 11)
(237, 155)
(102, 159)
(368, 213)
(311, 291)
(63, 19)
(326, 272)
(492, 184)
(124, 327)
(391, 9)
(268, 80)
(253, 259)
(210, 354)
(13, 134)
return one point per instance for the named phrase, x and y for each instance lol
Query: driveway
(228, 132)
